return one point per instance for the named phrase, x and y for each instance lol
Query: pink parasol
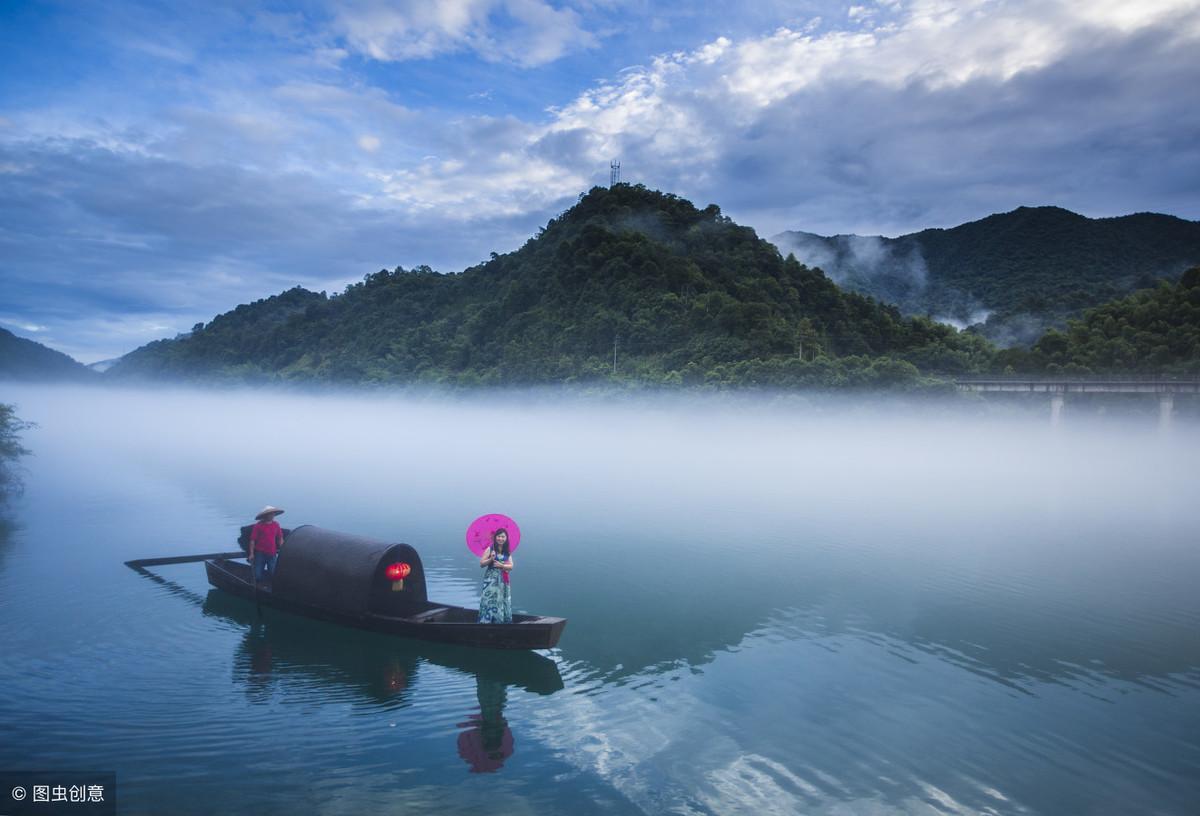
(479, 534)
(480, 748)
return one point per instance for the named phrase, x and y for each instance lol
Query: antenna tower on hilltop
(614, 177)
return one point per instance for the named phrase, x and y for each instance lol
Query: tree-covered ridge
(629, 285)
(1025, 270)
(22, 359)
(250, 339)
(1154, 331)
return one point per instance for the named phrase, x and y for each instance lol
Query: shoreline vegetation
(11, 450)
(636, 290)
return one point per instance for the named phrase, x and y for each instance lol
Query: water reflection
(278, 646)
(383, 670)
(256, 661)
(1059, 608)
(172, 587)
(7, 528)
(488, 740)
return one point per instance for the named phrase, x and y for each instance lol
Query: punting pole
(141, 563)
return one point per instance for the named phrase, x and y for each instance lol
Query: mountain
(22, 359)
(255, 341)
(1014, 273)
(1154, 331)
(628, 286)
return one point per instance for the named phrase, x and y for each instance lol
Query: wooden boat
(346, 579)
(360, 582)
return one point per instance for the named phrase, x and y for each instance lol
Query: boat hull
(433, 622)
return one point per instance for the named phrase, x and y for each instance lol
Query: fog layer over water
(773, 607)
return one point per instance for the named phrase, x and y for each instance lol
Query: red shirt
(265, 536)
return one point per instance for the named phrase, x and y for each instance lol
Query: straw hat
(268, 511)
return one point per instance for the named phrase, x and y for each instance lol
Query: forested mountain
(1016, 273)
(248, 343)
(629, 286)
(1155, 331)
(22, 359)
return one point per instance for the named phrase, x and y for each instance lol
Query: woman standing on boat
(495, 602)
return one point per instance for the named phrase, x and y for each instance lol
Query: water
(773, 609)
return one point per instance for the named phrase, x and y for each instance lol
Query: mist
(727, 470)
(861, 262)
(761, 489)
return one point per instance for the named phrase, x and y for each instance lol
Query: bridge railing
(1138, 379)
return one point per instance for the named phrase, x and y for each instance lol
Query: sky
(163, 162)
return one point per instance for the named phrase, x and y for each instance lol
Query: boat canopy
(347, 573)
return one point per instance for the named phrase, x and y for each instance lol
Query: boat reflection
(381, 680)
(343, 664)
(381, 670)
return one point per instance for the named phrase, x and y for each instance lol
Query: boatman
(266, 537)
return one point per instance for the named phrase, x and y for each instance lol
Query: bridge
(1058, 387)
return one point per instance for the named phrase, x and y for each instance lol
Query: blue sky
(162, 162)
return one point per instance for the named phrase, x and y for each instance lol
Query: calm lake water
(774, 608)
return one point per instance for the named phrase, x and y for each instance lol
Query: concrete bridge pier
(1166, 406)
(1057, 399)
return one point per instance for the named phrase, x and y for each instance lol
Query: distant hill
(1153, 331)
(628, 286)
(25, 360)
(1016, 273)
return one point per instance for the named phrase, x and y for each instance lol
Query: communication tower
(614, 177)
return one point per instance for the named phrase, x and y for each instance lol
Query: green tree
(11, 449)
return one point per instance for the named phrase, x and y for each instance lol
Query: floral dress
(495, 602)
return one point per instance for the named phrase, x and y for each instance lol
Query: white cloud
(699, 122)
(683, 116)
(895, 90)
(20, 323)
(162, 50)
(860, 13)
(330, 57)
(504, 184)
(835, 113)
(526, 32)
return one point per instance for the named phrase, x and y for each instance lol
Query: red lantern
(397, 573)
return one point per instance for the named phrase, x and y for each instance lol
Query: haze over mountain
(1154, 330)
(1014, 274)
(628, 285)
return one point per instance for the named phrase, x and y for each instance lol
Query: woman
(265, 539)
(495, 602)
